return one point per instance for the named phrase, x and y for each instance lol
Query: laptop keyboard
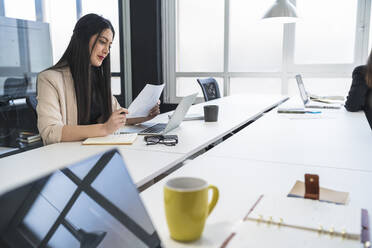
(155, 129)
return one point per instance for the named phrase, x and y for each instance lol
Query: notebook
(299, 222)
(308, 103)
(251, 234)
(114, 139)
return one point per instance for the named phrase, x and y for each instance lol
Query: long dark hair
(77, 57)
(369, 71)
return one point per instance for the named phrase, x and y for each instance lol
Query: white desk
(28, 166)
(338, 139)
(234, 111)
(144, 162)
(240, 182)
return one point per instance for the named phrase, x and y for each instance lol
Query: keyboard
(158, 128)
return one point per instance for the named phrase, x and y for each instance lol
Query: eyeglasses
(168, 140)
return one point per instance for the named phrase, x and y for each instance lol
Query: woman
(74, 96)
(360, 94)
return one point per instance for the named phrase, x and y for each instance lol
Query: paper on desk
(253, 234)
(145, 101)
(329, 98)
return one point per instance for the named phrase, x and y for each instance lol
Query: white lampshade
(282, 12)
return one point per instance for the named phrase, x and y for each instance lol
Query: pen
(313, 112)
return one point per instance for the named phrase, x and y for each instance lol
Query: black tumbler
(210, 113)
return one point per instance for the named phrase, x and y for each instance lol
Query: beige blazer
(57, 103)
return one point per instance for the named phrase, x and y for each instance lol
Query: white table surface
(335, 138)
(144, 162)
(240, 183)
(234, 111)
(22, 168)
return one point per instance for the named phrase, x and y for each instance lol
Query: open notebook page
(309, 214)
(262, 235)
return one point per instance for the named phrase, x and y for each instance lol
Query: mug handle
(214, 200)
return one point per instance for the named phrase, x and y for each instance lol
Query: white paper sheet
(309, 214)
(257, 235)
(145, 101)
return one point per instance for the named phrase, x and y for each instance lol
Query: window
(62, 17)
(27, 11)
(254, 45)
(110, 11)
(227, 39)
(200, 44)
(323, 36)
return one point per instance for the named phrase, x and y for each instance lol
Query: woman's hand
(116, 120)
(154, 111)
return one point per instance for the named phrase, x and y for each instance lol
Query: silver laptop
(163, 128)
(306, 98)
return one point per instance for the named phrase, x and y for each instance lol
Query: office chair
(210, 88)
(32, 103)
(15, 87)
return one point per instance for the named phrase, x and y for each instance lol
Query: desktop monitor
(93, 203)
(25, 51)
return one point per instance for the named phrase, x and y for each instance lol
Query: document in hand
(145, 101)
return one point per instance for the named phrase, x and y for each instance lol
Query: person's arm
(49, 113)
(153, 112)
(80, 132)
(51, 126)
(356, 98)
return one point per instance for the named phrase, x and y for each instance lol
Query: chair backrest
(15, 87)
(210, 88)
(32, 103)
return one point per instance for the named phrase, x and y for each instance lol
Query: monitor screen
(93, 203)
(25, 51)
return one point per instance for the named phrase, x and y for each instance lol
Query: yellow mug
(187, 207)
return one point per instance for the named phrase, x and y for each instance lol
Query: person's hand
(116, 120)
(154, 111)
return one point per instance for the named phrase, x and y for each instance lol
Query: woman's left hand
(154, 111)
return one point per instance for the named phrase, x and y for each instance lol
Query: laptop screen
(180, 112)
(93, 203)
(301, 88)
